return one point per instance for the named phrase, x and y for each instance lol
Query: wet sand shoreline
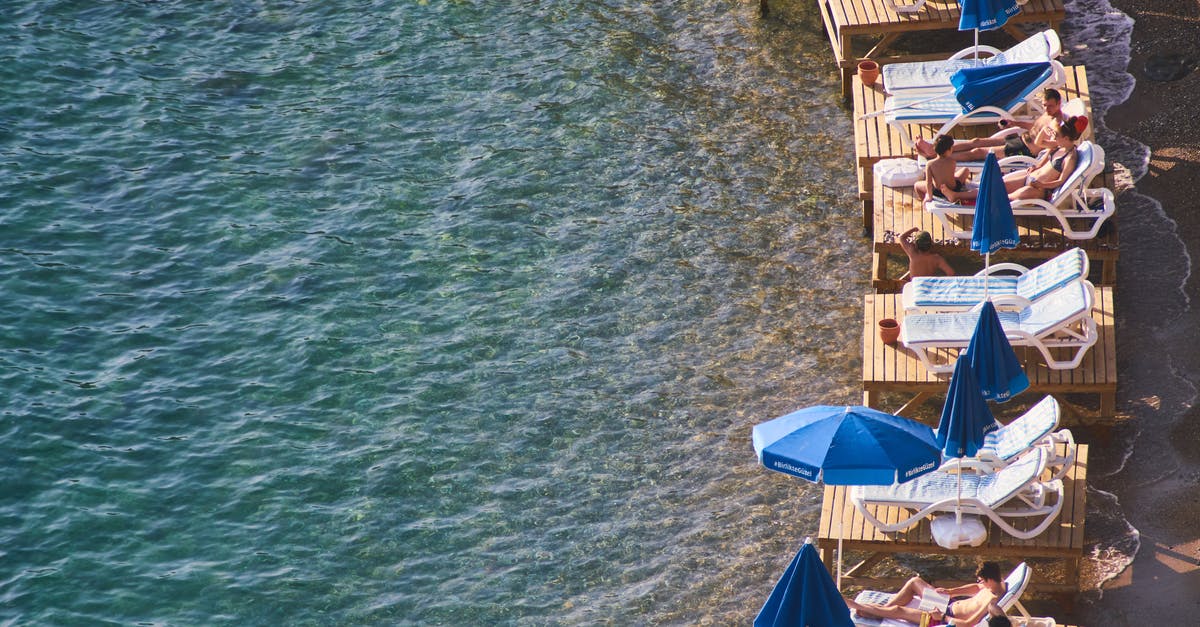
(1156, 480)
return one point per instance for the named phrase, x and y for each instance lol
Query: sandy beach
(1157, 483)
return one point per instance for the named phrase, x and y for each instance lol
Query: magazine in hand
(933, 600)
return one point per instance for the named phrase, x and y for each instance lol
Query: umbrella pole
(976, 46)
(958, 506)
(839, 568)
(987, 276)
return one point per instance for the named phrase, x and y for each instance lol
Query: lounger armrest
(1050, 513)
(1010, 130)
(970, 464)
(1010, 301)
(1016, 161)
(1062, 462)
(1007, 266)
(967, 52)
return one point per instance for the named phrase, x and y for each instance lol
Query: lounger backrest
(1044, 46)
(1015, 582)
(1056, 309)
(1016, 437)
(1085, 170)
(1055, 273)
(925, 105)
(996, 489)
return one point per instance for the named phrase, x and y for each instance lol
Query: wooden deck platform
(898, 209)
(875, 139)
(1063, 540)
(894, 368)
(853, 25)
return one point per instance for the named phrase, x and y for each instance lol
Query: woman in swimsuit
(1052, 168)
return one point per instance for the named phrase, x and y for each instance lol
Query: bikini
(1057, 164)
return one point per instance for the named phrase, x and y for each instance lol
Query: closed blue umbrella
(994, 227)
(846, 445)
(966, 418)
(805, 596)
(980, 15)
(991, 356)
(965, 421)
(1000, 85)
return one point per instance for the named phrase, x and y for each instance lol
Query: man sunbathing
(968, 605)
(922, 261)
(1038, 136)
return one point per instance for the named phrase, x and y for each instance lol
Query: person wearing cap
(922, 261)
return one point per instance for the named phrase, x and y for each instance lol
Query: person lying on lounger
(1052, 168)
(1036, 137)
(968, 605)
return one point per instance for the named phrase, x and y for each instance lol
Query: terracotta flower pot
(868, 72)
(889, 330)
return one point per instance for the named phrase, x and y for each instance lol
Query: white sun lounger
(1034, 428)
(897, 77)
(1006, 291)
(1072, 201)
(1015, 491)
(1016, 583)
(1061, 320)
(940, 106)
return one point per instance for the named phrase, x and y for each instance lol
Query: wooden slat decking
(898, 209)
(875, 139)
(852, 24)
(1063, 540)
(894, 368)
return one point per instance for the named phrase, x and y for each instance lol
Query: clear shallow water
(440, 312)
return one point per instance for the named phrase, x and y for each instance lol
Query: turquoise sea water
(436, 312)
(413, 312)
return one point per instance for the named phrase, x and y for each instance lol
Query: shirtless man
(1038, 136)
(921, 261)
(970, 606)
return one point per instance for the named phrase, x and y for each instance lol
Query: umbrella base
(949, 534)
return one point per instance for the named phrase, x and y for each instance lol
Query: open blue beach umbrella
(997, 85)
(991, 356)
(805, 596)
(980, 15)
(846, 445)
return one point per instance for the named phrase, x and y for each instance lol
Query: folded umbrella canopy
(997, 369)
(965, 421)
(999, 373)
(994, 226)
(998, 85)
(966, 418)
(805, 595)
